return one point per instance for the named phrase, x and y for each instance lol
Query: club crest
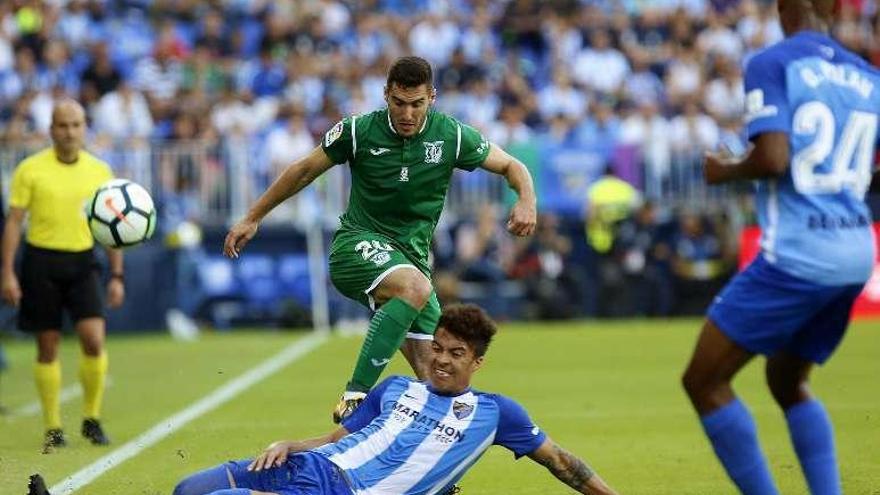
(433, 151)
(462, 410)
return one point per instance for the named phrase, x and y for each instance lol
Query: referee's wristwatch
(117, 276)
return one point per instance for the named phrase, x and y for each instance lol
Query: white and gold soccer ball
(121, 214)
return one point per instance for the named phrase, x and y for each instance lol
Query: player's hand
(523, 217)
(238, 236)
(717, 167)
(11, 290)
(115, 293)
(273, 456)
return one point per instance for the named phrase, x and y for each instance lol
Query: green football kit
(398, 189)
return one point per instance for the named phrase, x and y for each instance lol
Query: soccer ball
(121, 214)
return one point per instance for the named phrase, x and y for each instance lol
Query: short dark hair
(469, 323)
(410, 72)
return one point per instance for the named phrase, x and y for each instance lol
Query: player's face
(408, 107)
(453, 362)
(68, 128)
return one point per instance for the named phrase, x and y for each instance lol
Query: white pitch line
(173, 423)
(68, 393)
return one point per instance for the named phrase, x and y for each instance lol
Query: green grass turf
(606, 391)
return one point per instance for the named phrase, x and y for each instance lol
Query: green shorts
(359, 261)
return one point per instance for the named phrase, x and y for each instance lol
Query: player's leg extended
(401, 296)
(808, 423)
(726, 421)
(231, 478)
(417, 346)
(93, 376)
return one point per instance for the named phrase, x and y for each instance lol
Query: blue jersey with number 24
(815, 223)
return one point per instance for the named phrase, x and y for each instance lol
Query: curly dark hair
(410, 72)
(469, 323)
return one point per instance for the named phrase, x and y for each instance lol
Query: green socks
(386, 333)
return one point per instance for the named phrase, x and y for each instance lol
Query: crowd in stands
(263, 79)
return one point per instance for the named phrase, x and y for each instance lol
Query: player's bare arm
(276, 453)
(294, 178)
(11, 239)
(116, 285)
(523, 215)
(767, 158)
(570, 469)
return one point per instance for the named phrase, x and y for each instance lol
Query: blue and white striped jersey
(407, 439)
(815, 223)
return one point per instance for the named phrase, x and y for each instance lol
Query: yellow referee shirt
(55, 195)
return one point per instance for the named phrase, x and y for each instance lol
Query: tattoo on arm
(568, 468)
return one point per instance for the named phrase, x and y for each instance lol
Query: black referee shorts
(54, 281)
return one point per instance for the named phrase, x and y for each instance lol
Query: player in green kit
(401, 160)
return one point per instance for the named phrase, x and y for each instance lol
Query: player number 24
(368, 249)
(852, 157)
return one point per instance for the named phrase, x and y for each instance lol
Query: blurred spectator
(718, 39)
(693, 131)
(684, 76)
(648, 131)
(123, 114)
(483, 254)
(214, 36)
(159, 76)
(610, 200)
(521, 27)
(698, 263)
(600, 67)
(641, 247)
(288, 142)
(561, 97)
(759, 27)
(100, 77)
(434, 39)
(553, 289)
(24, 76)
(510, 128)
(458, 74)
(725, 96)
(600, 130)
(643, 85)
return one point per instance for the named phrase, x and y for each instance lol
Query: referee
(59, 271)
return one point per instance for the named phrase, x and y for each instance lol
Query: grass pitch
(607, 391)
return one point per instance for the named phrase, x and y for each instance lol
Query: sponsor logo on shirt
(442, 432)
(379, 151)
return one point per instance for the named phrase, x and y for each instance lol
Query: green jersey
(398, 185)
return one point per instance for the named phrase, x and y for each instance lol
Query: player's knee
(787, 391)
(416, 291)
(696, 385)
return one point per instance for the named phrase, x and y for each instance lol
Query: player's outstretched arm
(768, 158)
(294, 178)
(276, 453)
(569, 469)
(523, 215)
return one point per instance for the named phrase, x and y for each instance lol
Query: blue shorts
(766, 310)
(305, 473)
